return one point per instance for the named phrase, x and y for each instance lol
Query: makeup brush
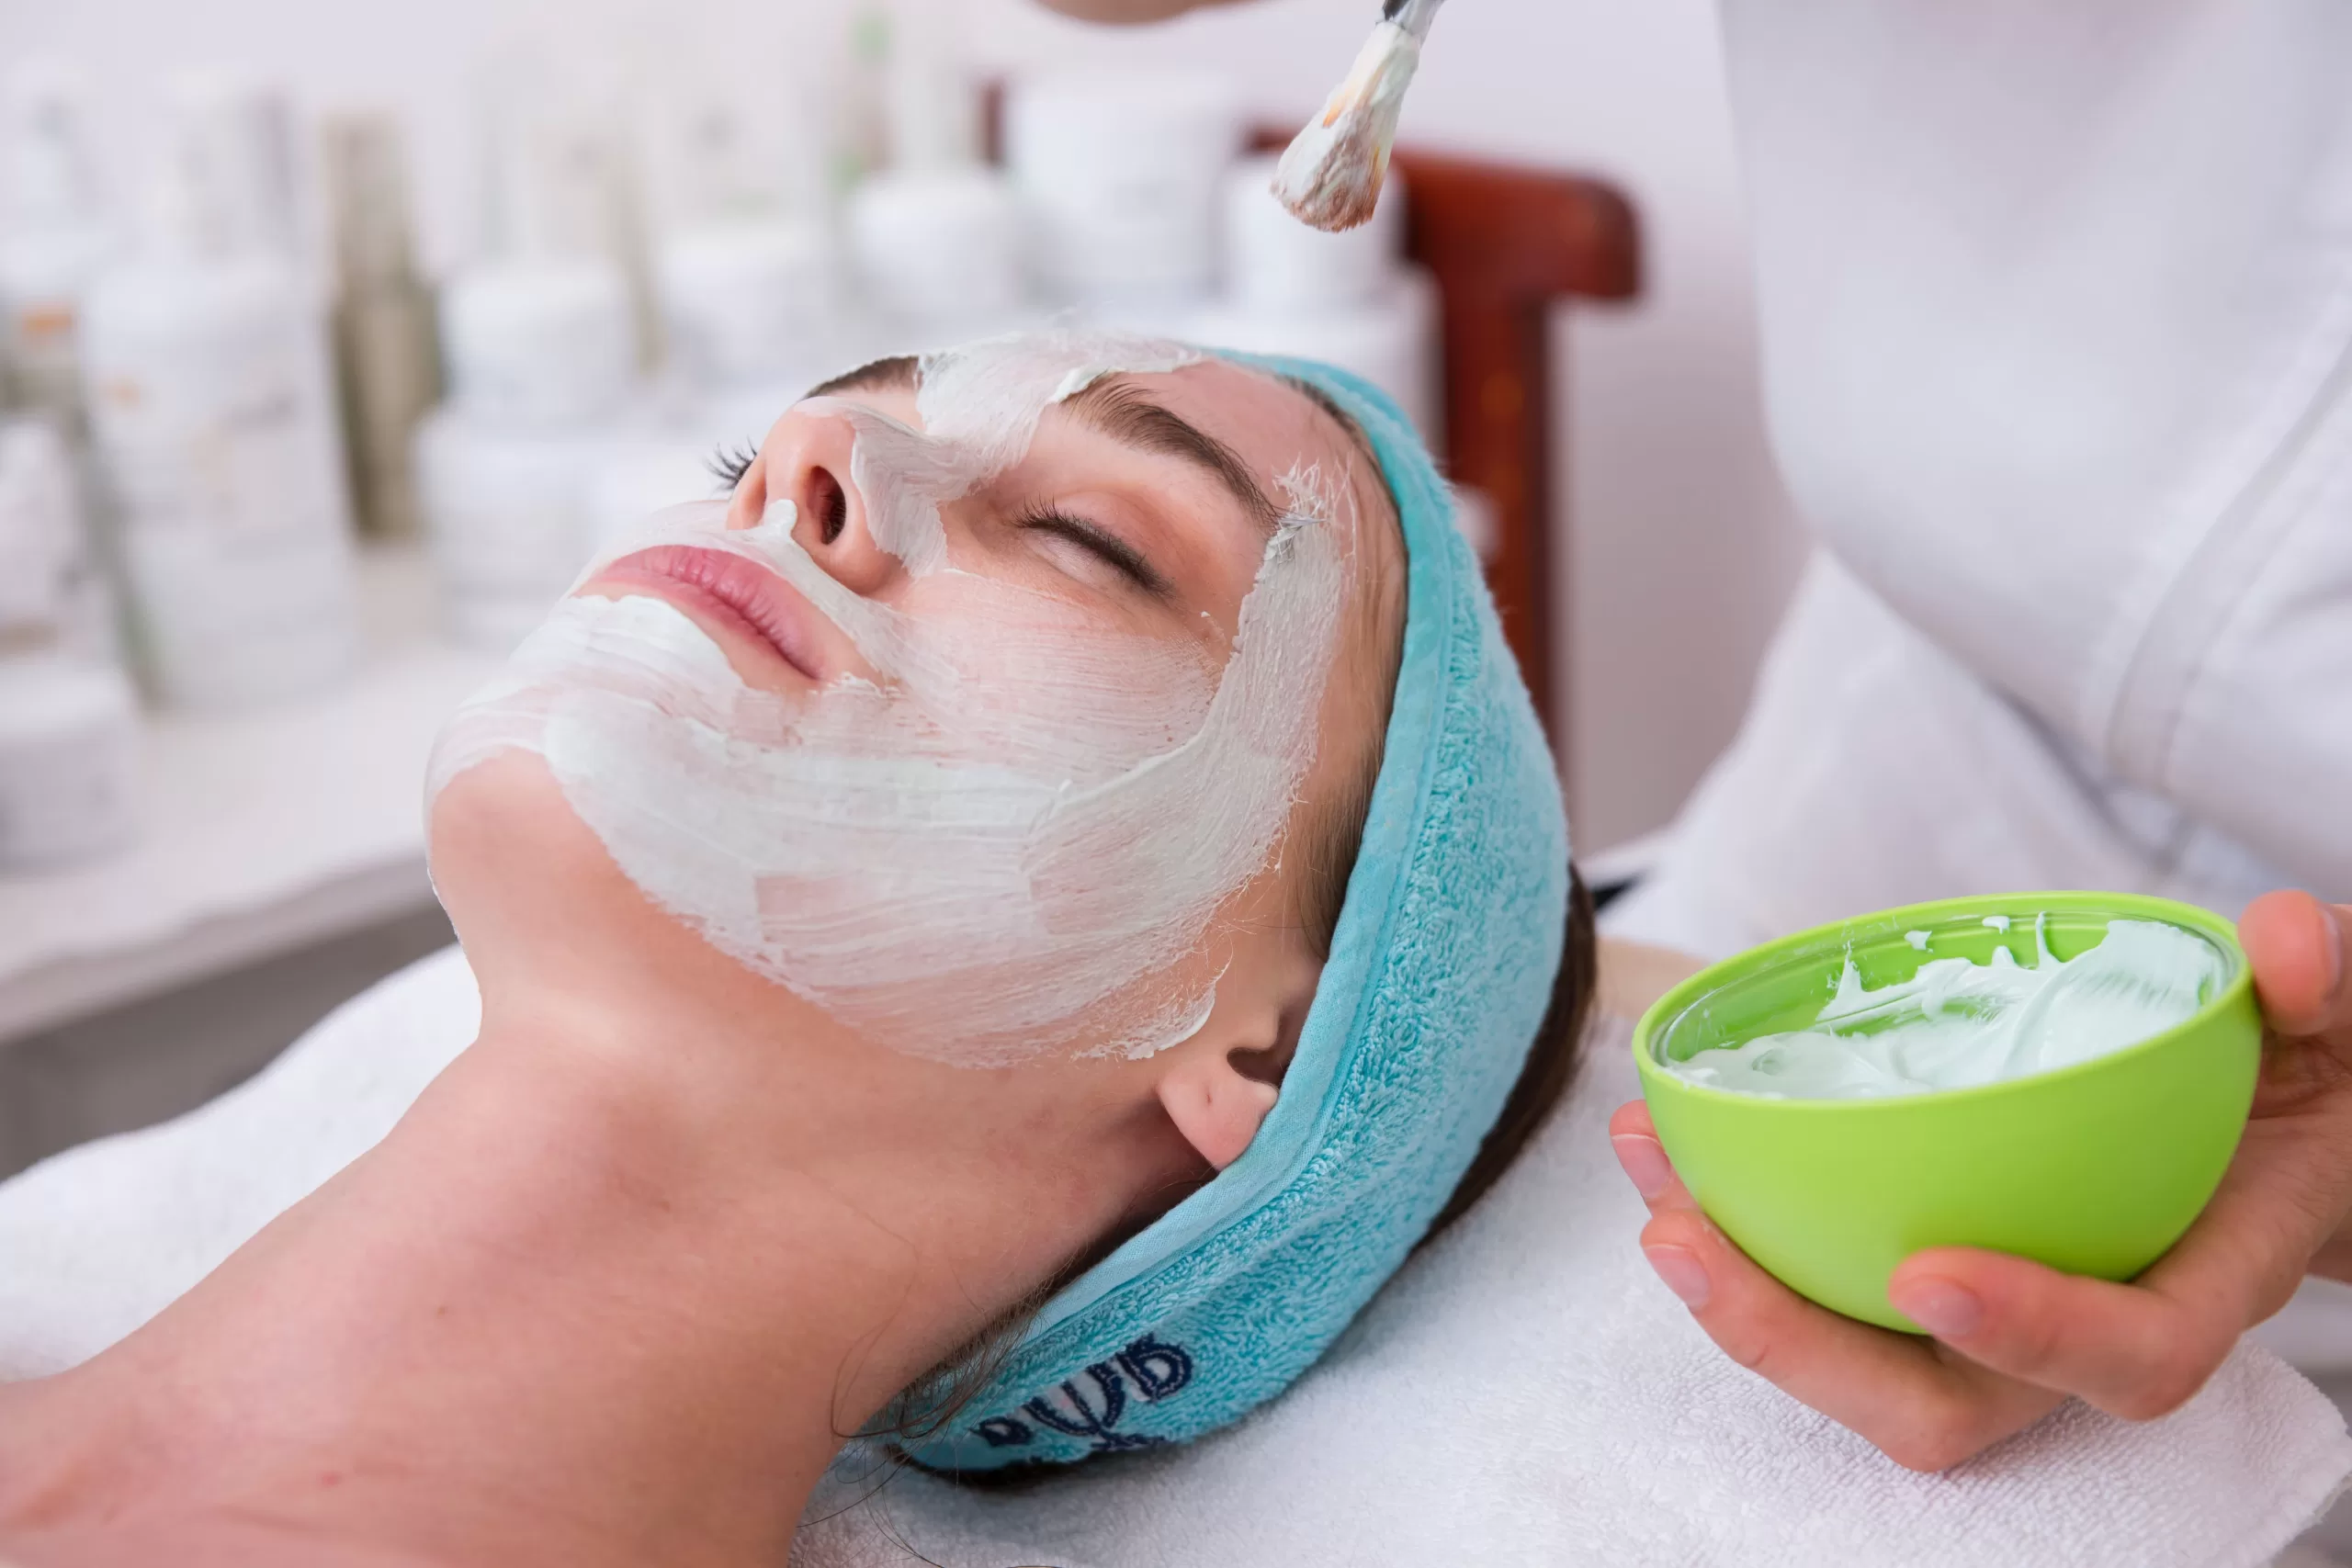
(1331, 173)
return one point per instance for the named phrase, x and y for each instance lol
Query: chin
(510, 858)
(538, 903)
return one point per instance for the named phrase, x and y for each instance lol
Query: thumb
(2301, 951)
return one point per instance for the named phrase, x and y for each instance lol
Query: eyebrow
(1120, 411)
(1113, 407)
(895, 374)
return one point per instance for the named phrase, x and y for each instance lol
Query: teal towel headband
(1439, 976)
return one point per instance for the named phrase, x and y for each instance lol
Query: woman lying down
(1055, 881)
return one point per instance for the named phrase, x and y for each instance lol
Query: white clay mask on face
(1010, 843)
(1956, 1024)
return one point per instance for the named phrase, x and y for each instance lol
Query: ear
(1217, 1086)
(1214, 1104)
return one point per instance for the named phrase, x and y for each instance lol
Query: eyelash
(728, 463)
(1108, 549)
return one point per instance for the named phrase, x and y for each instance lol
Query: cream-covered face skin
(978, 718)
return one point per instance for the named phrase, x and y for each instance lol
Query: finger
(2143, 1350)
(1645, 1162)
(2301, 951)
(1923, 1407)
(1640, 1155)
(2124, 1349)
(1633, 1118)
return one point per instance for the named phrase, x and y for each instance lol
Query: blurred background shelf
(280, 866)
(264, 831)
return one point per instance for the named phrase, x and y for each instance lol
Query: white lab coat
(2056, 305)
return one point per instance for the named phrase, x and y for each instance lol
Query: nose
(805, 461)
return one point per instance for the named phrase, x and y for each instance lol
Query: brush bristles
(1330, 175)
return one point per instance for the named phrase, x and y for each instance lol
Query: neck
(611, 1292)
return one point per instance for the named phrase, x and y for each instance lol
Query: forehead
(1277, 428)
(1266, 422)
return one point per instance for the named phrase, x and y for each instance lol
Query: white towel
(98, 1239)
(1523, 1392)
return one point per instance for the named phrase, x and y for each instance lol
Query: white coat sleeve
(2057, 323)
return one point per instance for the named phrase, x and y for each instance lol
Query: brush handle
(1413, 16)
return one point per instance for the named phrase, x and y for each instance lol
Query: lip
(741, 595)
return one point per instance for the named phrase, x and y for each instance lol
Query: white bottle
(936, 236)
(69, 757)
(51, 594)
(386, 354)
(542, 357)
(206, 372)
(1119, 173)
(504, 514)
(68, 718)
(52, 243)
(540, 345)
(745, 276)
(248, 121)
(860, 68)
(1346, 298)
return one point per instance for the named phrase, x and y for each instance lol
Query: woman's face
(978, 715)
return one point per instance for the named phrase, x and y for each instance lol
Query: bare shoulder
(1634, 975)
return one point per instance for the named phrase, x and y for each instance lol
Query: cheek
(1011, 677)
(507, 852)
(1012, 844)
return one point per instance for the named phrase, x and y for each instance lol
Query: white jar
(505, 519)
(939, 249)
(1273, 262)
(748, 300)
(1120, 173)
(209, 398)
(1390, 340)
(1346, 298)
(69, 756)
(539, 340)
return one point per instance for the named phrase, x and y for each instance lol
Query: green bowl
(2096, 1168)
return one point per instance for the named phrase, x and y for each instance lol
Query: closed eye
(728, 463)
(1102, 544)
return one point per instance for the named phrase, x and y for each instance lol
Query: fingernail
(2334, 915)
(1682, 1272)
(1943, 1309)
(1645, 1163)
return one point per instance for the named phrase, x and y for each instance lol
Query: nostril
(828, 504)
